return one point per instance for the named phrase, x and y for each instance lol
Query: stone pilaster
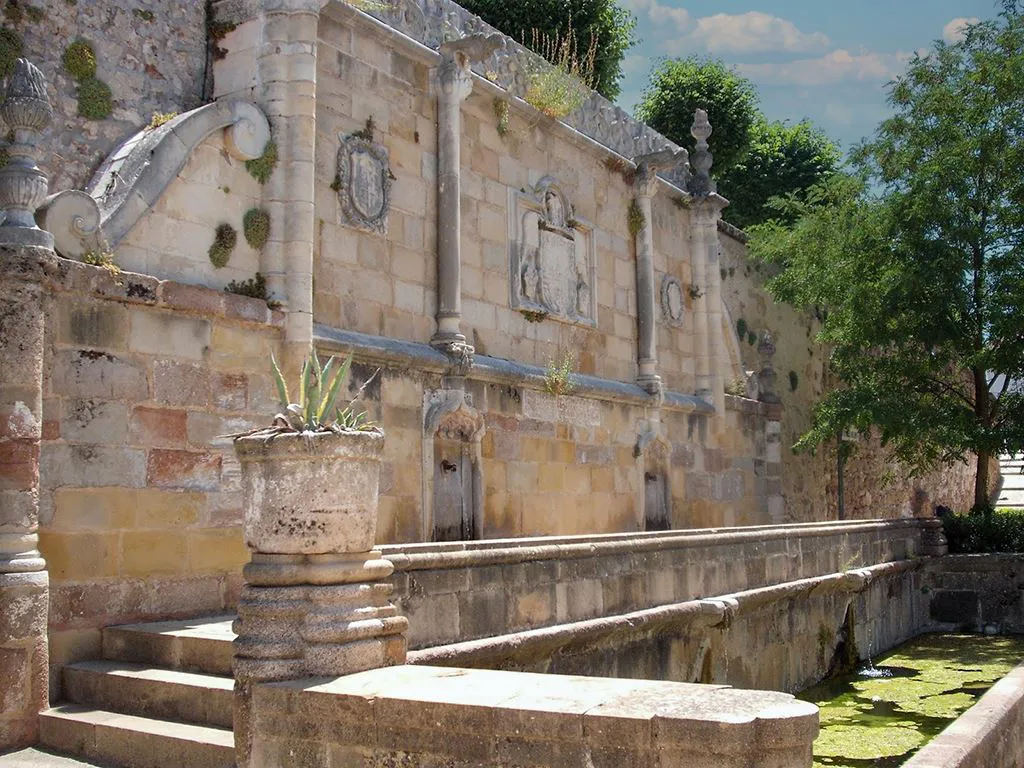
(454, 84)
(27, 264)
(707, 208)
(645, 187)
(286, 90)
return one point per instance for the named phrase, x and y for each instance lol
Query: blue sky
(819, 59)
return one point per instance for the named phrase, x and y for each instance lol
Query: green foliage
(603, 25)
(224, 241)
(1000, 531)
(751, 338)
(679, 87)
(144, 14)
(254, 287)
(256, 227)
(366, 132)
(782, 160)
(794, 381)
(11, 48)
(95, 101)
(741, 327)
(264, 165)
(100, 257)
(319, 387)
(80, 60)
(922, 281)
(161, 118)
(502, 117)
(637, 220)
(559, 376)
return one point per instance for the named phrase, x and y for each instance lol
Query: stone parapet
(427, 716)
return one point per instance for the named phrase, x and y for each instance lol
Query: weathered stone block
(81, 373)
(158, 427)
(89, 465)
(94, 421)
(95, 325)
(161, 333)
(80, 556)
(182, 384)
(189, 470)
(151, 552)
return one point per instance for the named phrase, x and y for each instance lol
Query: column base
(24, 657)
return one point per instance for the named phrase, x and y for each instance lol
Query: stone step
(138, 689)
(199, 645)
(127, 741)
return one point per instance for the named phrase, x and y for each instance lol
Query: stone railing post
(706, 211)
(645, 187)
(315, 600)
(27, 263)
(454, 84)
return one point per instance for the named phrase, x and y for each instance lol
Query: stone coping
(134, 288)
(989, 734)
(461, 554)
(391, 709)
(382, 350)
(705, 612)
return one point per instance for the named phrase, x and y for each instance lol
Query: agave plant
(316, 409)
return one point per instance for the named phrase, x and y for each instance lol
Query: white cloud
(835, 67)
(954, 31)
(660, 13)
(839, 112)
(754, 32)
(636, 64)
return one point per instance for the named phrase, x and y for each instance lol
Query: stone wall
(459, 592)
(151, 54)
(979, 593)
(140, 503)
(874, 484)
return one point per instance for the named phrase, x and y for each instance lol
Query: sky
(824, 60)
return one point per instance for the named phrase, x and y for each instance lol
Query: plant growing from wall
(367, 131)
(263, 166)
(160, 118)
(254, 287)
(751, 338)
(144, 13)
(501, 114)
(741, 327)
(560, 89)
(794, 381)
(256, 227)
(80, 60)
(559, 375)
(695, 292)
(11, 48)
(637, 220)
(100, 257)
(224, 241)
(737, 387)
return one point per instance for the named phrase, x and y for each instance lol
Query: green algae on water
(880, 721)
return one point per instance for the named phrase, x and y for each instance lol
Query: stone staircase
(1011, 495)
(160, 697)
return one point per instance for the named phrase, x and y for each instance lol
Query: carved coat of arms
(363, 183)
(552, 259)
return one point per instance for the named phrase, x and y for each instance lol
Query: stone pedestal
(933, 538)
(24, 583)
(312, 607)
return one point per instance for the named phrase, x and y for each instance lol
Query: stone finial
(766, 375)
(23, 186)
(459, 55)
(701, 185)
(648, 166)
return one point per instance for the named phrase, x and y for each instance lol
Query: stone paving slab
(36, 758)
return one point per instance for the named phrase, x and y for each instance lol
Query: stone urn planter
(310, 493)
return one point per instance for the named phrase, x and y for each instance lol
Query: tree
(782, 159)
(919, 260)
(602, 23)
(678, 87)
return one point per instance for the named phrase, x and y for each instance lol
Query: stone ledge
(133, 288)
(410, 557)
(528, 645)
(436, 715)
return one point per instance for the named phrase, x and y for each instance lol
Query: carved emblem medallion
(673, 306)
(364, 183)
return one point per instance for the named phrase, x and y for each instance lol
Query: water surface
(883, 713)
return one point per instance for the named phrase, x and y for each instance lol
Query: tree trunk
(981, 502)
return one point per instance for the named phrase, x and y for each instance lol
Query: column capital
(648, 165)
(458, 56)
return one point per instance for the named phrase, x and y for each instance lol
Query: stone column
(706, 211)
(27, 263)
(286, 90)
(646, 185)
(454, 84)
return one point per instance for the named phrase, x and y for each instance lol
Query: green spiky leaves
(319, 387)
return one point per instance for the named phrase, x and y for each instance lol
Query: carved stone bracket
(364, 183)
(137, 173)
(450, 415)
(553, 262)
